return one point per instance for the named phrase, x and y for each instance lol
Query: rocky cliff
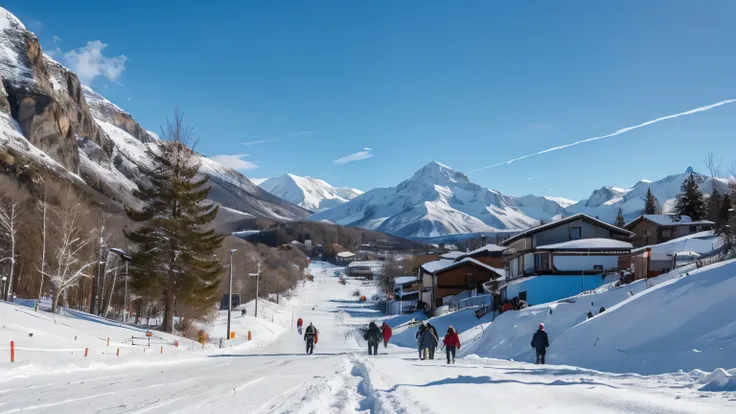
(51, 114)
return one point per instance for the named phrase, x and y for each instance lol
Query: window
(522, 295)
(541, 262)
(693, 229)
(666, 233)
(576, 233)
(645, 235)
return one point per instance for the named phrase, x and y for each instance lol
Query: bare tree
(712, 166)
(69, 250)
(9, 224)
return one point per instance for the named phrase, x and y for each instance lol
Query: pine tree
(175, 255)
(713, 208)
(690, 201)
(620, 219)
(651, 206)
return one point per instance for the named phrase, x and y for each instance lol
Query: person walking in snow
(540, 342)
(373, 336)
(418, 336)
(386, 331)
(299, 323)
(429, 340)
(452, 343)
(243, 312)
(310, 335)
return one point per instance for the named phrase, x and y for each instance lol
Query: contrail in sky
(619, 132)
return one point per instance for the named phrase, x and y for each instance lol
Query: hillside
(310, 193)
(55, 127)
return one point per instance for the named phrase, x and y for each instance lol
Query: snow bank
(670, 323)
(45, 342)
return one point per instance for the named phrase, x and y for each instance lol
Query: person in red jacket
(386, 330)
(452, 343)
(299, 323)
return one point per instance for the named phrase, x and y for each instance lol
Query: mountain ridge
(438, 201)
(310, 193)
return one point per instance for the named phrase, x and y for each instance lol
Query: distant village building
(656, 259)
(346, 257)
(652, 229)
(367, 268)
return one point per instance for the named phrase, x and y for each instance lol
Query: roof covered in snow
(439, 268)
(566, 220)
(365, 263)
(701, 243)
(452, 255)
(488, 248)
(667, 220)
(400, 280)
(345, 255)
(431, 267)
(588, 244)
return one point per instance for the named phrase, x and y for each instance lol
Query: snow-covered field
(272, 374)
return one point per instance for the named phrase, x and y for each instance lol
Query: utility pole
(230, 294)
(258, 280)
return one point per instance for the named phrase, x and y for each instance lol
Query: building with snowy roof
(652, 229)
(562, 258)
(446, 278)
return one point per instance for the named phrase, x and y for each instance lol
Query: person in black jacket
(540, 343)
(435, 339)
(373, 336)
(309, 336)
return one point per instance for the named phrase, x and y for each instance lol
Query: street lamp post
(230, 294)
(125, 257)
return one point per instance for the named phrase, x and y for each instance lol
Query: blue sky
(385, 87)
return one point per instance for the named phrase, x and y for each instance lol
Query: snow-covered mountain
(310, 193)
(68, 131)
(437, 201)
(606, 201)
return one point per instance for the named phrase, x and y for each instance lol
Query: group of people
(374, 335)
(428, 340)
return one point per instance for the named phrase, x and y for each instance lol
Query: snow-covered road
(341, 378)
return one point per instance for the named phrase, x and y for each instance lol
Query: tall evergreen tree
(713, 208)
(651, 205)
(175, 255)
(724, 216)
(690, 201)
(620, 219)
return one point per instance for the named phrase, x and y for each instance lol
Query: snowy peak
(440, 174)
(307, 192)
(9, 21)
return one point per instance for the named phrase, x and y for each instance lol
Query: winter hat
(450, 330)
(541, 326)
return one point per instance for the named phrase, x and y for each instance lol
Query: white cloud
(613, 134)
(88, 63)
(235, 162)
(56, 39)
(368, 149)
(360, 155)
